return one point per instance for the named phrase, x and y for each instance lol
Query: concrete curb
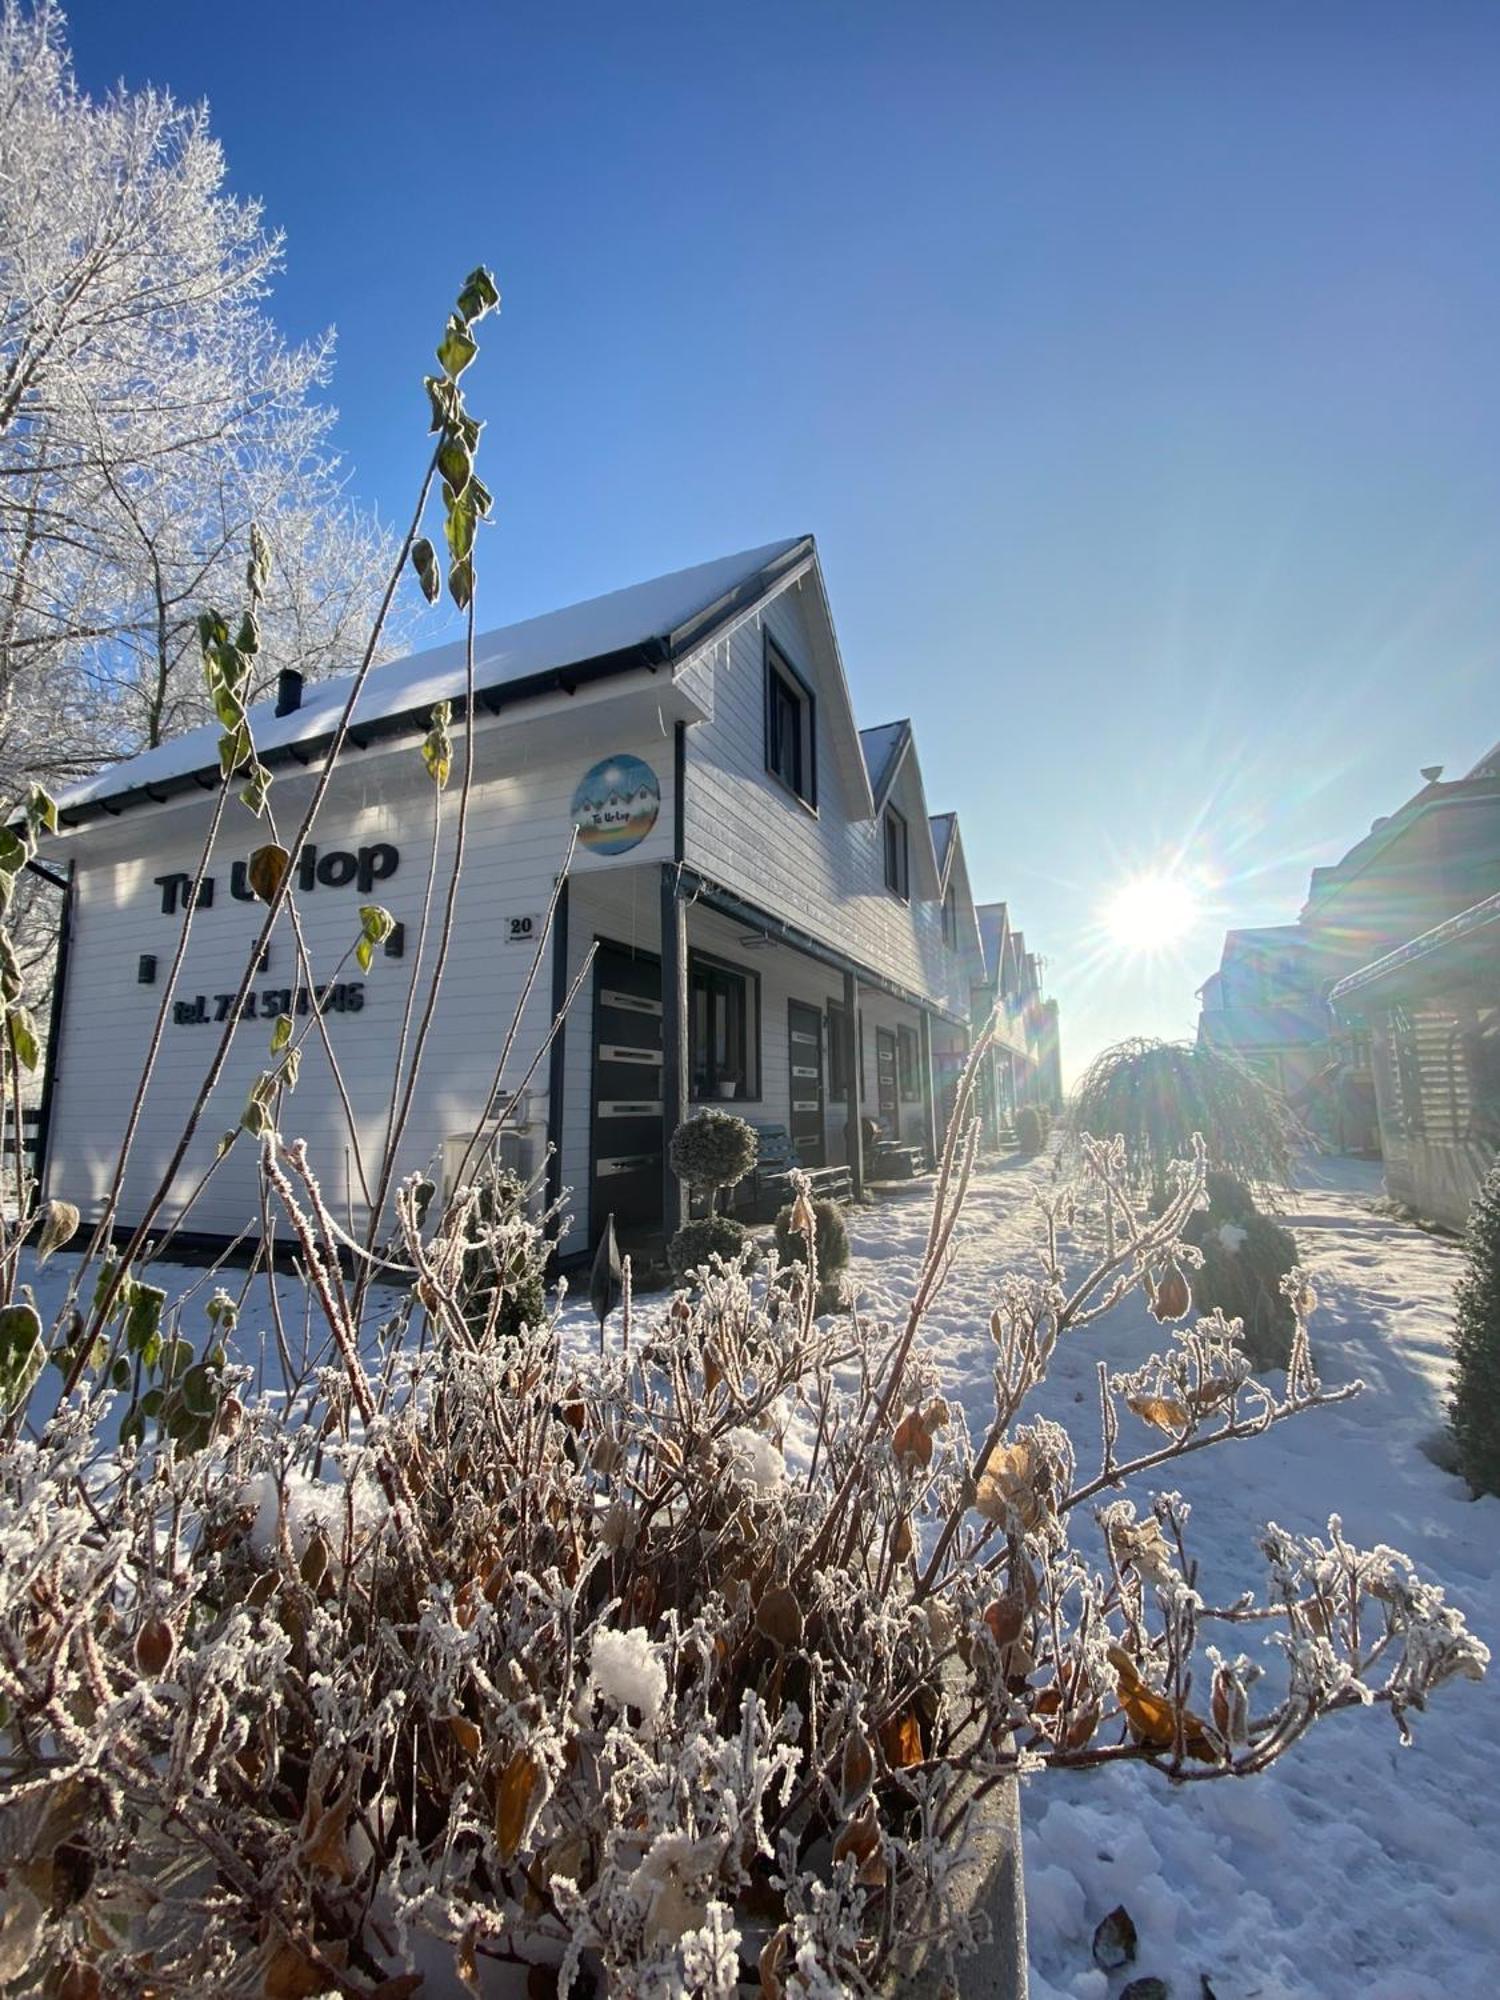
(993, 1877)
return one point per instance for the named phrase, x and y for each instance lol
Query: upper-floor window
(950, 918)
(791, 715)
(897, 870)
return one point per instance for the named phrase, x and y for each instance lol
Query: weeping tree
(1157, 1095)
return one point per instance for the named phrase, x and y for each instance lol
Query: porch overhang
(730, 904)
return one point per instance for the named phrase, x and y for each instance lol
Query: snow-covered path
(1354, 1867)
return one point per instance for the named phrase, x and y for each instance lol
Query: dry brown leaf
(153, 1647)
(466, 1734)
(1005, 1618)
(267, 869)
(291, 1975)
(1170, 1297)
(1165, 1412)
(860, 1839)
(1007, 1486)
(1217, 1389)
(325, 1846)
(901, 1740)
(778, 1616)
(912, 1443)
(1152, 1718)
(513, 1796)
(772, 1959)
(858, 1772)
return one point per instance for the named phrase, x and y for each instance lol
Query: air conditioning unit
(511, 1143)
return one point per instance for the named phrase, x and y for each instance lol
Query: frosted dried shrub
(689, 1663)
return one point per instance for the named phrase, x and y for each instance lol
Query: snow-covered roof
(884, 746)
(653, 623)
(943, 827)
(1467, 928)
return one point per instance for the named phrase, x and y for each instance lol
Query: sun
(1152, 912)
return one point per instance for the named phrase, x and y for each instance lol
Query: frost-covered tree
(1476, 1344)
(149, 412)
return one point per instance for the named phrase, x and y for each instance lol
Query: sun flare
(1152, 912)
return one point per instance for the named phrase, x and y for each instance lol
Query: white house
(779, 922)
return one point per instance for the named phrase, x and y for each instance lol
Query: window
(791, 746)
(840, 1052)
(723, 1030)
(897, 876)
(950, 918)
(907, 1065)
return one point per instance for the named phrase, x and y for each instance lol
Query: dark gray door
(887, 1083)
(805, 1050)
(626, 1150)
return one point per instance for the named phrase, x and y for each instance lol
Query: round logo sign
(615, 805)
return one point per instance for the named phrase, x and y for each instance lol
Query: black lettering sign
(335, 869)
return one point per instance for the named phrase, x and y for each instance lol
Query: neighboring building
(1432, 1008)
(777, 920)
(1268, 1003)
(1027, 1059)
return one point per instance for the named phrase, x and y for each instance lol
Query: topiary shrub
(830, 1234)
(712, 1150)
(504, 1252)
(1245, 1258)
(1031, 1133)
(711, 1236)
(1475, 1407)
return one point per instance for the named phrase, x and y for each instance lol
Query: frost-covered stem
(397, 1125)
(1180, 1447)
(492, 1096)
(318, 1024)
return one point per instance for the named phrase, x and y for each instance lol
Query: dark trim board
(557, 1060)
(40, 1159)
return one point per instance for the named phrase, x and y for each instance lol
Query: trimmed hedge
(696, 1242)
(1245, 1257)
(1475, 1408)
(830, 1232)
(1031, 1129)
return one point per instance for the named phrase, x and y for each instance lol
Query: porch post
(557, 1069)
(674, 1051)
(929, 1108)
(854, 1138)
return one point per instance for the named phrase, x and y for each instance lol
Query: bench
(770, 1180)
(887, 1159)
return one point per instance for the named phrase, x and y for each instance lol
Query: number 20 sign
(522, 930)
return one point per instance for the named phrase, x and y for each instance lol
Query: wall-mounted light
(395, 944)
(145, 969)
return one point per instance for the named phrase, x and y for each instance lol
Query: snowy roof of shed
(647, 625)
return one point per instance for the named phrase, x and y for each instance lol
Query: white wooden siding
(518, 831)
(823, 871)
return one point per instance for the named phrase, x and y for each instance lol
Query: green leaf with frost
(424, 561)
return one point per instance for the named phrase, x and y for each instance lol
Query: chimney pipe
(288, 691)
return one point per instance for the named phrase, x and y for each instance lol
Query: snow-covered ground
(1354, 1867)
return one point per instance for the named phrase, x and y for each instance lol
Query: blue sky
(1135, 367)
